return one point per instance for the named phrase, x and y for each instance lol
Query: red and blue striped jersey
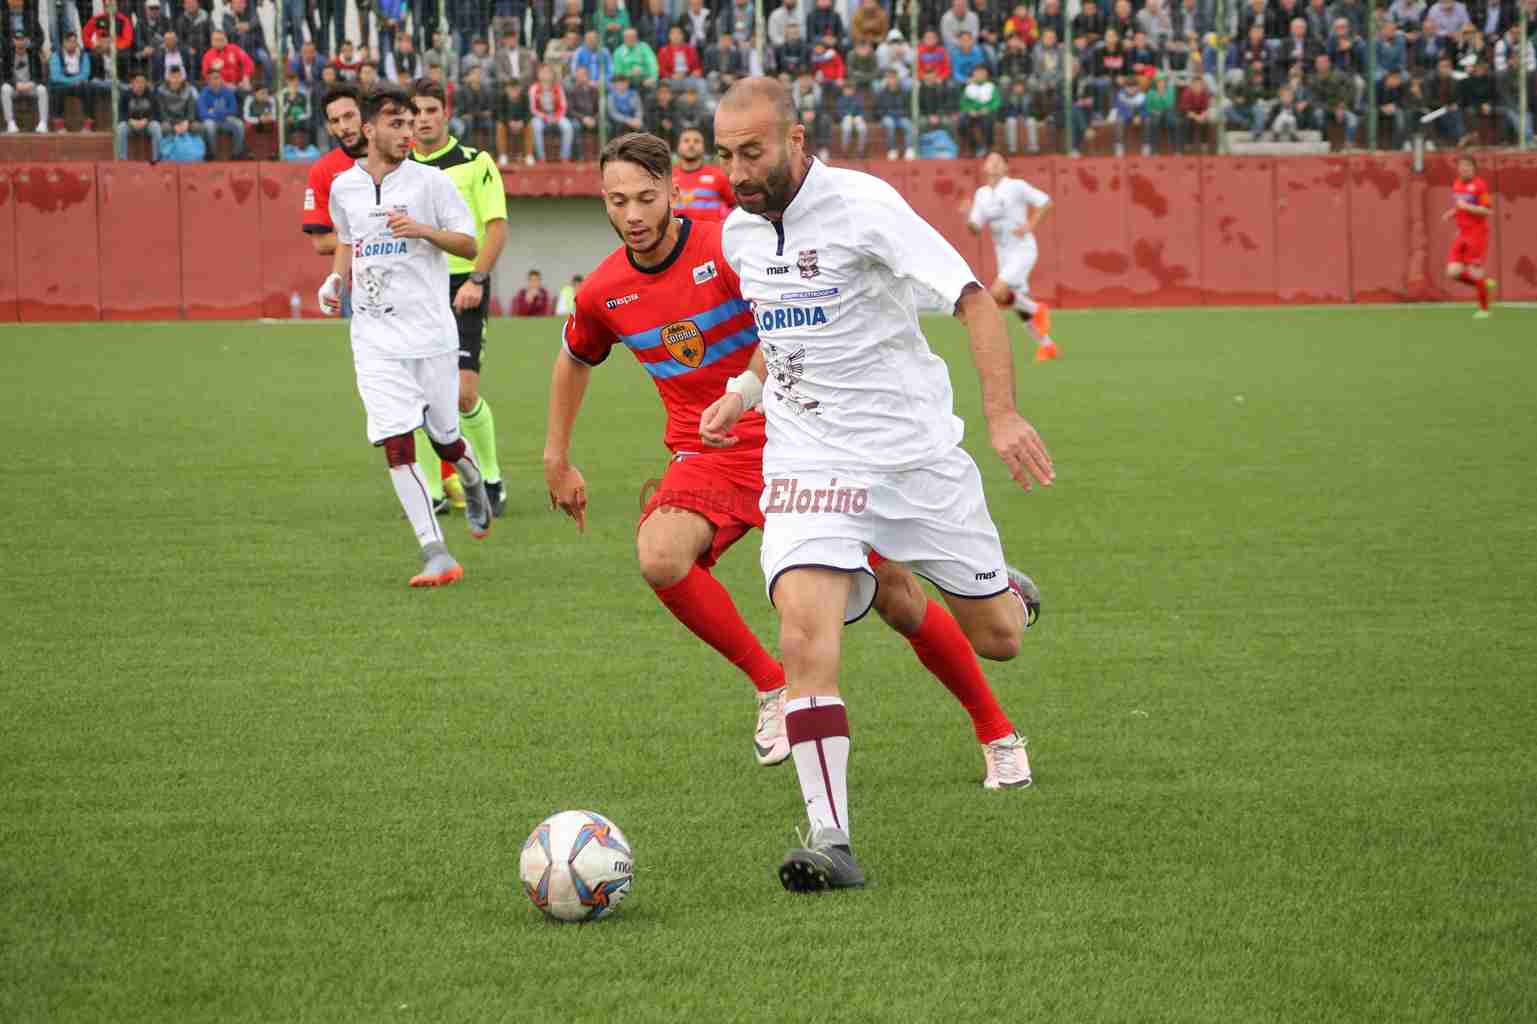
(704, 193)
(684, 320)
(1476, 192)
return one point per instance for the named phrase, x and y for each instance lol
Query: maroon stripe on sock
(810, 724)
(827, 784)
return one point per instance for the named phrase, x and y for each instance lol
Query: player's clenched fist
(330, 295)
(568, 491)
(402, 226)
(716, 421)
(1021, 449)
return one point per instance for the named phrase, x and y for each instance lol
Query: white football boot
(769, 740)
(1008, 764)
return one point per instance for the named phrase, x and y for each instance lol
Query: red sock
(944, 650)
(700, 602)
(446, 468)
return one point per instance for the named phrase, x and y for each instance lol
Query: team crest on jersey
(373, 281)
(808, 263)
(684, 343)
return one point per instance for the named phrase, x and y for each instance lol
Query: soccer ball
(576, 866)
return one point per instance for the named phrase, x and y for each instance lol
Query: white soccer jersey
(400, 301)
(852, 382)
(1002, 210)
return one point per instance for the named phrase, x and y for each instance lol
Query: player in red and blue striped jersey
(668, 295)
(1471, 207)
(704, 189)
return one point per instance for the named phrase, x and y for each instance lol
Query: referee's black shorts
(472, 323)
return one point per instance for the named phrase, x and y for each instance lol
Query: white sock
(819, 742)
(411, 489)
(1025, 302)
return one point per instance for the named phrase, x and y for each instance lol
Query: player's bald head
(759, 97)
(761, 145)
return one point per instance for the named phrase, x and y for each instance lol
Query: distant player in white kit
(1011, 210)
(395, 219)
(863, 447)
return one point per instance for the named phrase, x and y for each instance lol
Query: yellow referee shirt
(479, 181)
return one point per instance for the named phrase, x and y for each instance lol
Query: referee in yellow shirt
(474, 172)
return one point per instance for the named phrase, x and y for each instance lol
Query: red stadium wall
(118, 241)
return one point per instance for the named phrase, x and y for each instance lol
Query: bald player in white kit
(1011, 209)
(863, 447)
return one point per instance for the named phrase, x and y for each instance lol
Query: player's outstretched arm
(743, 392)
(567, 489)
(1014, 439)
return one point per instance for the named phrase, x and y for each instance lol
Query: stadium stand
(536, 80)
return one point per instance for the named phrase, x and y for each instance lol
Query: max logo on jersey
(684, 342)
(704, 272)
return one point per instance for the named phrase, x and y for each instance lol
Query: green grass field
(1281, 701)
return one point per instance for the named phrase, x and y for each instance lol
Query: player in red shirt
(704, 190)
(343, 114)
(669, 295)
(1471, 205)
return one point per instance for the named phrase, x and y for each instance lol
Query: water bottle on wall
(294, 304)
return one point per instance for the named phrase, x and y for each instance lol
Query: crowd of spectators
(534, 80)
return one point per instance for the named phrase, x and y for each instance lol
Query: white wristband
(748, 386)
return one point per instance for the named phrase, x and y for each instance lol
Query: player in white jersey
(1012, 210)
(863, 444)
(395, 218)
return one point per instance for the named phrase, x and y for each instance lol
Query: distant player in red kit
(342, 111)
(1472, 207)
(704, 192)
(669, 296)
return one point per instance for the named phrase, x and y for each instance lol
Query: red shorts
(723, 486)
(1469, 249)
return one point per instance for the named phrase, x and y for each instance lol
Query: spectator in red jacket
(547, 108)
(100, 25)
(678, 59)
(678, 63)
(532, 300)
(827, 63)
(1196, 116)
(933, 59)
(232, 63)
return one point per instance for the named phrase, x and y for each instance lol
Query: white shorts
(400, 395)
(933, 519)
(1016, 263)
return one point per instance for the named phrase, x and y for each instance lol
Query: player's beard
(775, 191)
(357, 150)
(660, 228)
